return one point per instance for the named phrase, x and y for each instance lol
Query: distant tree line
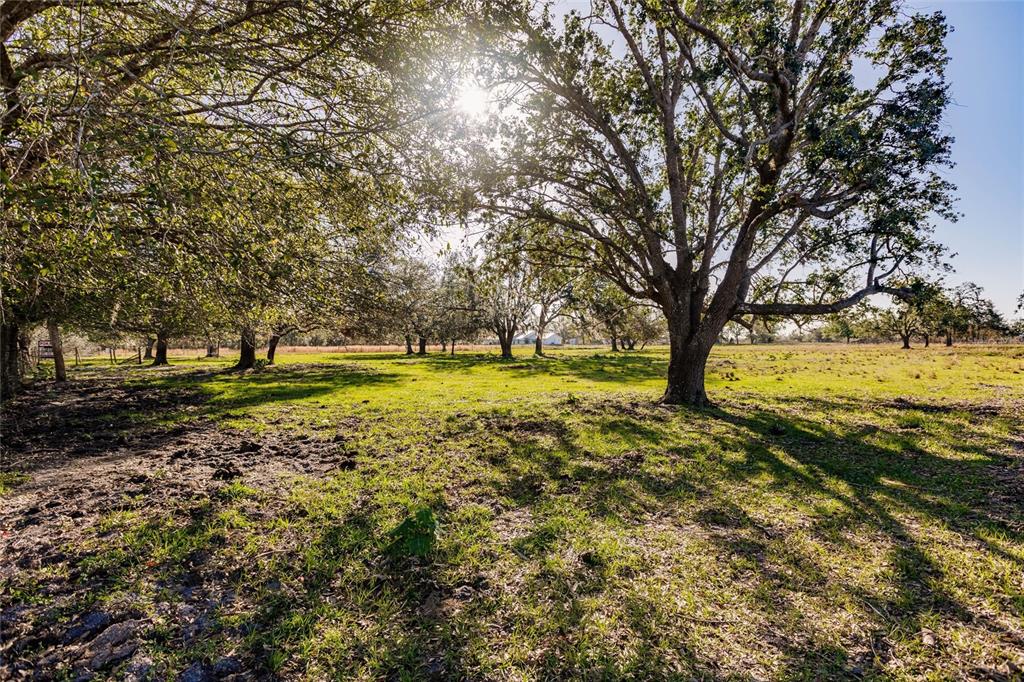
(935, 313)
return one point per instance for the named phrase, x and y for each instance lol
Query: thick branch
(777, 309)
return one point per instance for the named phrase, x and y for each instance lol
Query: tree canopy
(169, 166)
(717, 155)
(257, 167)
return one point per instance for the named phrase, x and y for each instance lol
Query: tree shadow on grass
(899, 469)
(383, 580)
(339, 593)
(113, 418)
(622, 368)
(290, 385)
(230, 390)
(881, 489)
(353, 589)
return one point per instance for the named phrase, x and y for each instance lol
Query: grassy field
(844, 512)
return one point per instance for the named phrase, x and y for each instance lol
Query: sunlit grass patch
(10, 480)
(547, 518)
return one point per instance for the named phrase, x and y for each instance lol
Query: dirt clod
(87, 626)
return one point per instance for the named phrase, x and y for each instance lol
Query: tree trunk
(538, 345)
(161, 349)
(408, 344)
(24, 352)
(444, 345)
(615, 344)
(688, 355)
(272, 347)
(10, 361)
(149, 348)
(453, 348)
(59, 372)
(423, 346)
(847, 338)
(505, 341)
(247, 347)
(212, 349)
(906, 341)
(949, 338)
(927, 338)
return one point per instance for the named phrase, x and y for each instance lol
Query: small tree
(640, 325)
(845, 324)
(1017, 326)
(902, 320)
(606, 306)
(457, 303)
(553, 291)
(982, 318)
(506, 301)
(939, 315)
(732, 332)
(412, 300)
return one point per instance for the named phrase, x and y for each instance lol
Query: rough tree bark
(59, 371)
(544, 318)
(10, 361)
(927, 338)
(272, 347)
(949, 338)
(906, 341)
(213, 350)
(688, 355)
(149, 348)
(247, 348)
(505, 341)
(423, 346)
(23, 351)
(161, 349)
(408, 344)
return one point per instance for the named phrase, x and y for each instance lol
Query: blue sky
(986, 73)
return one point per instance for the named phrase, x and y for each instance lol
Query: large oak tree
(711, 156)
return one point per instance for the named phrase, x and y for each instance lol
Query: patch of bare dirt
(90, 449)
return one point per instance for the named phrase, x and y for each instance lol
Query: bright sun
(472, 100)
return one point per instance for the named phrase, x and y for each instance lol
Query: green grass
(377, 383)
(843, 512)
(10, 479)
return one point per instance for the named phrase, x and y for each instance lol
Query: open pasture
(843, 512)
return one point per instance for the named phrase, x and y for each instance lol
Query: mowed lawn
(843, 512)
